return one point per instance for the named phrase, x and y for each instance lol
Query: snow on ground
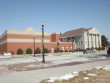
(57, 58)
(90, 74)
(58, 62)
(65, 77)
(71, 60)
(107, 67)
(5, 57)
(85, 78)
(16, 61)
(71, 75)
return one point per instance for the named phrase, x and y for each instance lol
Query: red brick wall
(3, 38)
(55, 37)
(15, 46)
(3, 48)
(65, 45)
(26, 36)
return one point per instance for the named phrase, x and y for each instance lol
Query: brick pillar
(67, 39)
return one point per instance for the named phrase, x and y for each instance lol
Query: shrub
(45, 50)
(99, 48)
(19, 51)
(29, 51)
(77, 50)
(103, 48)
(96, 48)
(82, 49)
(37, 51)
(92, 48)
(61, 50)
(66, 50)
(70, 50)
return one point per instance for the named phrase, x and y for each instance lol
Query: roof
(73, 32)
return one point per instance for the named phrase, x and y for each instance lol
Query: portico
(94, 40)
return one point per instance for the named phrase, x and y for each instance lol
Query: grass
(102, 76)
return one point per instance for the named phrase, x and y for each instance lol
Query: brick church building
(12, 40)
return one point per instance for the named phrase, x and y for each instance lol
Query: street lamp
(43, 60)
(72, 45)
(34, 44)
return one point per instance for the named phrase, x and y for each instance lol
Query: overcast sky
(58, 15)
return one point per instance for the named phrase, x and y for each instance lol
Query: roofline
(55, 33)
(3, 34)
(71, 36)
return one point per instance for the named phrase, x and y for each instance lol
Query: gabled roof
(73, 32)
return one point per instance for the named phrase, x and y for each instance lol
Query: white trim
(25, 40)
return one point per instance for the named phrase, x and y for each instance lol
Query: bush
(76, 50)
(19, 51)
(66, 50)
(29, 51)
(99, 48)
(82, 49)
(45, 50)
(70, 50)
(37, 51)
(103, 48)
(92, 48)
(61, 50)
(96, 48)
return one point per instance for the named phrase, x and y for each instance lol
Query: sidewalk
(36, 76)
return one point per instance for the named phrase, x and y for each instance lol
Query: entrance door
(52, 50)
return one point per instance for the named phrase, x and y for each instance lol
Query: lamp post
(34, 44)
(58, 46)
(72, 45)
(43, 60)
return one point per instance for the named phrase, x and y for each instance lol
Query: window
(63, 48)
(81, 42)
(67, 48)
(71, 48)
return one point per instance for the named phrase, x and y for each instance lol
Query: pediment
(94, 31)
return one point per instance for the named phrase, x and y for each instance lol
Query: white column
(98, 40)
(88, 39)
(92, 40)
(95, 41)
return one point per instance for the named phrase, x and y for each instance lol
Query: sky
(58, 15)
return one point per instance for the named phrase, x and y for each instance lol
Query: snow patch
(91, 74)
(65, 77)
(5, 57)
(85, 78)
(98, 67)
(107, 67)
